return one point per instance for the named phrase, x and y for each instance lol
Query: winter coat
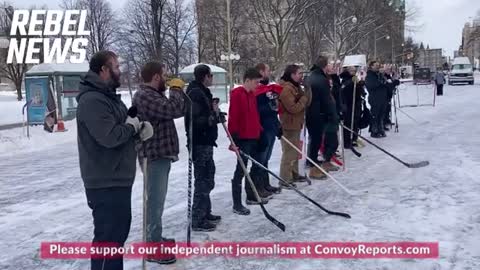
(268, 106)
(204, 128)
(106, 144)
(322, 106)
(293, 102)
(336, 87)
(439, 78)
(160, 111)
(243, 117)
(377, 88)
(347, 94)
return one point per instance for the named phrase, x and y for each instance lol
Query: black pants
(378, 115)
(319, 132)
(387, 114)
(112, 215)
(249, 147)
(439, 89)
(315, 135)
(204, 181)
(347, 136)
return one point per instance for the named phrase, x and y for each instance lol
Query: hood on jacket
(92, 82)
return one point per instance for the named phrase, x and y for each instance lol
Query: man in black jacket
(204, 122)
(321, 117)
(107, 154)
(377, 97)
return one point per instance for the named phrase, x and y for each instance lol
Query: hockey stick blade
(418, 164)
(277, 223)
(358, 154)
(294, 188)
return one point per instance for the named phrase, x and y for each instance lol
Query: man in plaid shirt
(162, 149)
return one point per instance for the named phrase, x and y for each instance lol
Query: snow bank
(10, 108)
(15, 140)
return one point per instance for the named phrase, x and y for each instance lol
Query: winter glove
(279, 133)
(176, 84)
(135, 122)
(221, 118)
(146, 131)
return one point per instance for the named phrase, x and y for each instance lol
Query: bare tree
(181, 24)
(314, 30)
(16, 70)
(101, 22)
(276, 19)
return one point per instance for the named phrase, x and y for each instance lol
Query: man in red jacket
(244, 125)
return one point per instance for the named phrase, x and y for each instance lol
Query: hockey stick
(190, 171)
(319, 167)
(358, 154)
(395, 110)
(413, 119)
(132, 112)
(294, 188)
(409, 165)
(277, 223)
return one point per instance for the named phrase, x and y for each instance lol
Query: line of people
(110, 140)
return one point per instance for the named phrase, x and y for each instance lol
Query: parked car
(422, 76)
(461, 72)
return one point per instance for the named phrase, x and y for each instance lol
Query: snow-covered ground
(10, 107)
(42, 196)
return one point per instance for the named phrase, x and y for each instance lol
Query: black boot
(204, 226)
(213, 218)
(268, 187)
(238, 208)
(260, 185)
(241, 210)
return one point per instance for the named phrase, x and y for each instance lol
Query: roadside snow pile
(15, 140)
(10, 108)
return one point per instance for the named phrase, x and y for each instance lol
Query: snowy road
(42, 198)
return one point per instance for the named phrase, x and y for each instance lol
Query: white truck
(461, 71)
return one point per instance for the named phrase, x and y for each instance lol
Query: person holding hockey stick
(267, 101)
(204, 136)
(106, 148)
(245, 127)
(163, 149)
(348, 90)
(322, 118)
(293, 102)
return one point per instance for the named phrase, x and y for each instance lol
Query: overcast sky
(439, 22)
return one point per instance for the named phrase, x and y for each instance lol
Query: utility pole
(229, 40)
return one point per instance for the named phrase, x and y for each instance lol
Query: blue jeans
(264, 156)
(157, 185)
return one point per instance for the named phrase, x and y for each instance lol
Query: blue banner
(37, 97)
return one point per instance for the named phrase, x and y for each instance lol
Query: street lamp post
(229, 40)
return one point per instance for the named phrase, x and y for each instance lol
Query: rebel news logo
(61, 34)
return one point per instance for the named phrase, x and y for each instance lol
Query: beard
(162, 87)
(115, 79)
